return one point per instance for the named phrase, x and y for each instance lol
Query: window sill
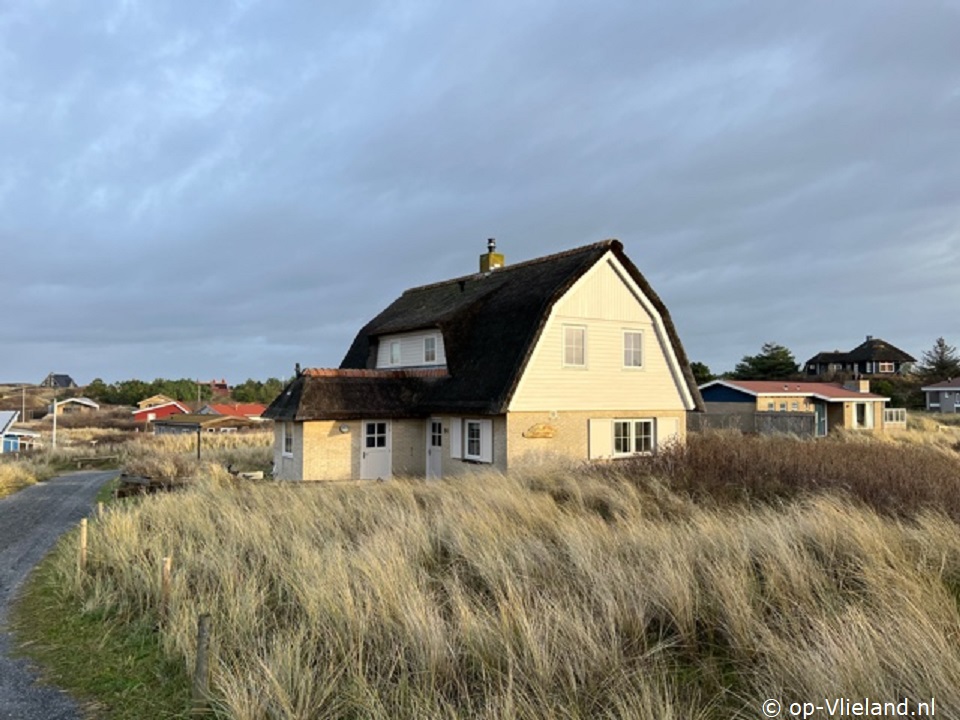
(286, 454)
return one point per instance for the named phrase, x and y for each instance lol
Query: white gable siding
(411, 350)
(603, 301)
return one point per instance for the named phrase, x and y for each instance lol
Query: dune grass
(638, 592)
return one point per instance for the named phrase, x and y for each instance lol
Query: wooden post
(201, 675)
(165, 587)
(83, 544)
(99, 510)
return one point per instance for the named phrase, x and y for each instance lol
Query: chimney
(491, 260)
(869, 338)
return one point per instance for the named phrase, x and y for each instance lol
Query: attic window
(574, 346)
(632, 349)
(394, 352)
(429, 349)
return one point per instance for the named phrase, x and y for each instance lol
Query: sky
(227, 188)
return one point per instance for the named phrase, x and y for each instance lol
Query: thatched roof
(490, 324)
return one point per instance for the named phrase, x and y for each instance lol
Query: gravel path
(30, 523)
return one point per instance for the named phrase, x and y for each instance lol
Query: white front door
(434, 448)
(375, 453)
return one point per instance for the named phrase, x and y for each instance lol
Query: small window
(771, 407)
(574, 346)
(795, 406)
(783, 407)
(288, 438)
(429, 349)
(478, 440)
(473, 439)
(886, 367)
(632, 349)
(394, 352)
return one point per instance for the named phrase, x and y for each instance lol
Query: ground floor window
(632, 437)
(471, 439)
(288, 438)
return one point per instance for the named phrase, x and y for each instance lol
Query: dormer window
(394, 352)
(429, 350)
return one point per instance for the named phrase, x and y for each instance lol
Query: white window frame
(287, 439)
(771, 406)
(795, 406)
(484, 440)
(398, 358)
(886, 367)
(632, 436)
(583, 346)
(783, 407)
(638, 349)
(430, 339)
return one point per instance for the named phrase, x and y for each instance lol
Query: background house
(872, 357)
(251, 411)
(154, 400)
(943, 397)
(58, 381)
(189, 423)
(833, 406)
(14, 439)
(74, 405)
(151, 413)
(570, 356)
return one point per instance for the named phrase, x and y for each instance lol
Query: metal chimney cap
(491, 244)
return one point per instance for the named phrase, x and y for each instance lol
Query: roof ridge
(605, 244)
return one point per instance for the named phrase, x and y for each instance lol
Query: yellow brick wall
(571, 439)
(327, 453)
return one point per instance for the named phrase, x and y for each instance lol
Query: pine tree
(941, 362)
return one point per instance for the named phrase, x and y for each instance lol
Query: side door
(434, 448)
(376, 450)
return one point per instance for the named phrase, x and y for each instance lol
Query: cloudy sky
(207, 189)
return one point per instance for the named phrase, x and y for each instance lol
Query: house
(851, 405)
(57, 381)
(943, 396)
(571, 356)
(159, 412)
(217, 387)
(252, 411)
(155, 400)
(71, 406)
(873, 357)
(14, 439)
(192, 422)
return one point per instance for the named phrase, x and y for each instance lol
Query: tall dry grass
(554, 595)
(171, 457)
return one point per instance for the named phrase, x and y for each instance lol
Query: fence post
(83, 544)
(100, 510)
(201, 673)
(165, 587)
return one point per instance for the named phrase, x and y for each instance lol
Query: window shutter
(486, 441)
(601, 438)
(667, 432)
(456, 439)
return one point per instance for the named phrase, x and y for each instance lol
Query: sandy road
(30, 523)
